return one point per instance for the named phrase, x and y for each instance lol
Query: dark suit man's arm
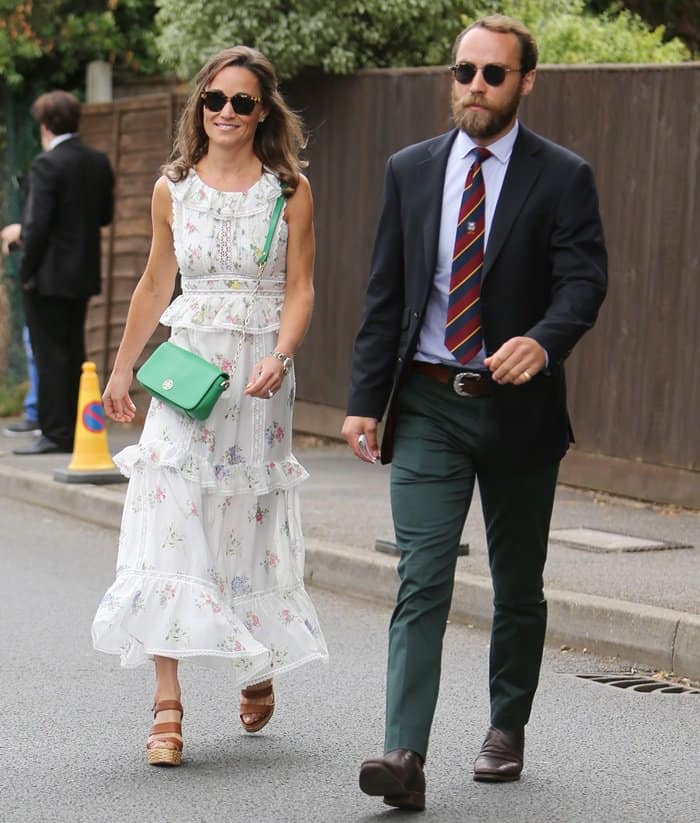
(107, 205)
(579, 269)
(38, 217)
(376, 344)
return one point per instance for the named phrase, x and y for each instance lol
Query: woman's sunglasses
(241, 103)
(492, 73)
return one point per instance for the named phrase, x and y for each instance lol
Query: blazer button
(416, 315)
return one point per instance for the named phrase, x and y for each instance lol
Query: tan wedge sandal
(159, 755)
(263, 711)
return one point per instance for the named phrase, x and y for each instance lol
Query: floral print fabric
(211, 554)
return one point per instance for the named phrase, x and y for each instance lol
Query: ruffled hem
(213, 312)
(256, 635)
(239, 478)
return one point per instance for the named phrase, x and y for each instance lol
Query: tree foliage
(681, 18)
(567, 33)
(45, 43)
(337, 37)
(341, 37)
(48, 42)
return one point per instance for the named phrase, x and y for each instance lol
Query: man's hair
(505, 25)
(58, 111)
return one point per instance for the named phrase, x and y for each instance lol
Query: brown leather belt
(464, 383)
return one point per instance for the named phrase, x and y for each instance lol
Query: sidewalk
(642, 605)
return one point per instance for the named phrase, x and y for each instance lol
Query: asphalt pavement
(73, 723)
(642, 605)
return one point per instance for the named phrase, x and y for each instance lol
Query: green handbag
(184, 380)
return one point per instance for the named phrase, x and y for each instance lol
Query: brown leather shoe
(398, 777)
(501, 756)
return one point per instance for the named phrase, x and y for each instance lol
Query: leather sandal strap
(165, 739)
(255, 708)
(266, 692)
(168, 705)
(160, 728)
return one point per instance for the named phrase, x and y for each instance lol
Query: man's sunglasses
(492, 73)
(241, 103)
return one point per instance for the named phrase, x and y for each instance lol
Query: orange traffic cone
(91, 461)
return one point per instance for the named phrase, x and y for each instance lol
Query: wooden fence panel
(634, 383)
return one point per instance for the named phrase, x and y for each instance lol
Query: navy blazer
(544, 276)
(70, 195)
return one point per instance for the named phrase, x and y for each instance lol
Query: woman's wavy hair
(278, 140)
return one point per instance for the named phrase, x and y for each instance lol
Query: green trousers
(443, 443)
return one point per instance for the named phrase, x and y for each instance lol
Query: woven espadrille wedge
(263, 711)
(165, 733)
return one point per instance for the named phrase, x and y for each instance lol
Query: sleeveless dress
(211, 555)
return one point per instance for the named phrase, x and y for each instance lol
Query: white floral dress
(211, 554)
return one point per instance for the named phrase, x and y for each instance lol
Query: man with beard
(488, 267)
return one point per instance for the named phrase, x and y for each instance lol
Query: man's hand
(517, 361)
(8, 235)
(353, 427)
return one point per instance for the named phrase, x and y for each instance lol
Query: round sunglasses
(492, 73)
(240, 102)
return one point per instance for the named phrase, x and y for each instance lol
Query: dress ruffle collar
(196, 194)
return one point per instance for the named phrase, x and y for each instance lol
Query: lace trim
(223, 205)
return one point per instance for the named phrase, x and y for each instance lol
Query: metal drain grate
(597, 540)
(637, 683)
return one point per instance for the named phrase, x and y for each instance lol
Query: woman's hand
(266, 378)
(115, 398)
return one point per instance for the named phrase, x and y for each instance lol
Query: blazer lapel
(432, 174)
(523, 170)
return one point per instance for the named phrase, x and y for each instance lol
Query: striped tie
(463, 328)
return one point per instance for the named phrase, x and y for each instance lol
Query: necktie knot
(481, 153)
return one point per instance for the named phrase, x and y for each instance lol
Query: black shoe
(398, 777)
(501, 756)
(22, 427)
(42, 445)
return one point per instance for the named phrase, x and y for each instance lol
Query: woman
(211, 554)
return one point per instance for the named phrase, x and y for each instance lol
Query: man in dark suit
(487, 269)
(70, 196)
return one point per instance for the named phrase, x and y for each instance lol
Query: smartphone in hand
(364, 448)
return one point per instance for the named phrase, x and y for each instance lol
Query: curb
(662, 638)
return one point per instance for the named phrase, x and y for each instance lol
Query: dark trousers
(443, 442)
(57, 332)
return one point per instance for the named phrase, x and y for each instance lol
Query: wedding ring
(270, 393)
(526, 373)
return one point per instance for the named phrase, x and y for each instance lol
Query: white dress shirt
(61, 138)
(431, 342)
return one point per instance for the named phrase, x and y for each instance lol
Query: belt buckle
(464, 375)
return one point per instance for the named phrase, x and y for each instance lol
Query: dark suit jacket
(544, 276)
(70, 195)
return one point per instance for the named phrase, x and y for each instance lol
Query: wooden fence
(634, 380)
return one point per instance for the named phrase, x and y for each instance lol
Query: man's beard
(485, 123)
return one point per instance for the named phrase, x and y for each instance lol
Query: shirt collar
(501, 149)
(61, 138)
